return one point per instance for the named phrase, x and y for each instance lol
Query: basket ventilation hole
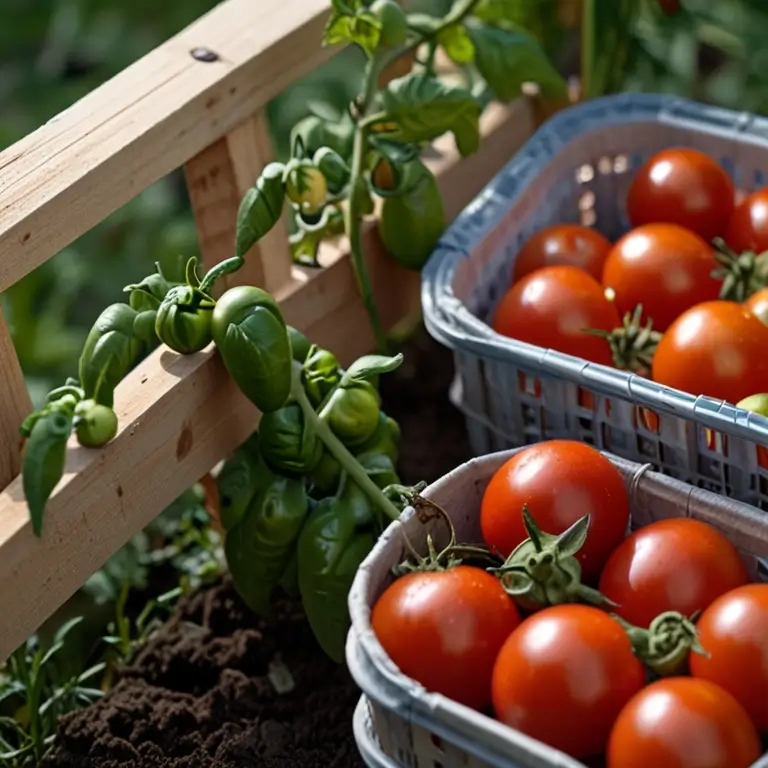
(605, 165)
(437, 741)
(620, 164)
(584, 174)
(437, 764)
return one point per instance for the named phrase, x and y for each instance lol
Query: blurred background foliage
(52, 52)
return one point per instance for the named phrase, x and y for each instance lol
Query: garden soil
(200, 694)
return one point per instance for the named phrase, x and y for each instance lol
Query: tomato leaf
(507, 59)
(350, 22)
(457, 43)
(422, 108)
(503, 12)
(370, 365)
(260, 208)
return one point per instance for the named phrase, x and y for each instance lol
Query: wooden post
(14, 406)
(217, 179)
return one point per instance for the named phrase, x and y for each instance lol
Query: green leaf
(261, 208)
(350, 23)
(422, 108)
(457, 43)
(370, 365)
(508, 59)
(504, 12)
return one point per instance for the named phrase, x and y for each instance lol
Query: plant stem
(354, 215)
(222, 268)
(338, 450)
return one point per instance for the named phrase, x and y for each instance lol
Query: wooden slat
(67, 176)
(180, 415)
(217, 179)
(14, 406)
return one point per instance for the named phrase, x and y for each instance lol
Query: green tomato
(95, 424)
(306, 186)
(354, 413)
(183, 320)
(394, 24)
(755, 403)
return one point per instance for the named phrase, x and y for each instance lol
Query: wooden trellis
(196, 101)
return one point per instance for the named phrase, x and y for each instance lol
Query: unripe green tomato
(306, 186)
(354, 413)
(755, 403)
(326, 475)
(96, 424)
(394, 24)
(183, 321)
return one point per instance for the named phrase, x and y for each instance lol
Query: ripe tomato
(679, 564)
(748, 227)
(670, 7)
(564, 675)
(444, 629)
(734, 632)
(757, 304)
(685, 187)
(717, 349)
(665, 268)
(563, 245)
(559, 481)
(552, 306)
(683, 723)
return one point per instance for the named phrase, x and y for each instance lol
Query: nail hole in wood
(204, 54)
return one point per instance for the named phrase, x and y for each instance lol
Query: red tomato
(552, 306)
(757, 304)
(718, 349)
(444, 629)
(665, 268)
(670, 7)
(559, 481)
(683, 723)
(734, 632)
(685, 187)
(563, 245)
(748, 226)
(564, 675)
(678, 564)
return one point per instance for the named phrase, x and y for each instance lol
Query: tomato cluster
(681, 297)
(635, 648)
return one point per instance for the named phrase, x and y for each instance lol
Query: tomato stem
(543, 570)
(667, 643)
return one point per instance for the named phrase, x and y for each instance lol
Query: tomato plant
(748, 227)
(679, 564)
(444, 629)
(563, 245)
(717, 349)
(552, 307)
(559, 481)
(564, 675)
(683, 723)
(664, 268)
(685, 187)
(757, 303)
(734, 632)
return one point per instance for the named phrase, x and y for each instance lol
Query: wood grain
(67, 176)
(14, 406)
(180, 415)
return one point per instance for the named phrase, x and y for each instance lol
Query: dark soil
(200, 695)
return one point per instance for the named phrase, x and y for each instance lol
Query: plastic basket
(577, 168)
(419, 729)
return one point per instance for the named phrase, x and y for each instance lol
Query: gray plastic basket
(418, 729)
(577, 168)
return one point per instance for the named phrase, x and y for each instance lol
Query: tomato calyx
(665, 646)
(450, 556)
(543, 570)
(742, 273)
(632, 344)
